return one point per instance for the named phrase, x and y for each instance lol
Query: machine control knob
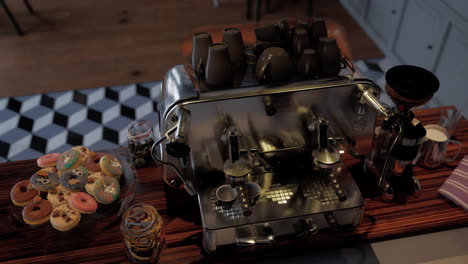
(305, 228)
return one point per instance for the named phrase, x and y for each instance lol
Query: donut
(49, 160)
(106, 190)
(75, 180)
(64, 218)
(83, 203)
(69, 160)
(85, 153)
(92, 163)
(58, 196)
(111, 166)
(91, 180)
(23, 193)
(37, 212)
(44, 180)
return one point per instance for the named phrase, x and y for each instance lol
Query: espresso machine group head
(397, 142)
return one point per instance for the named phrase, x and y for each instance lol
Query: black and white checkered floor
(31, 126)
(97, 118)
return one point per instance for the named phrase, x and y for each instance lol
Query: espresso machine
(286, 138)
(271, 154)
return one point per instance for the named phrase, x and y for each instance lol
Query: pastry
(64, 218)
(85, 153)
(92, 163)
(75, 180)
(69, 160)
(106, 189)
(91, 180)
(44, 180)
(37, 212)
(111, 166)
(49, 160)
(23, 193)
(58, 196)
(83, 203)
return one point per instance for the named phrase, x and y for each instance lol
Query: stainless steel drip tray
(282, 197)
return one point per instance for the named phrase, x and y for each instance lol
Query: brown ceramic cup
(274, 64)
(232, 38)
(329, 57)
(300, 41)
(200, 45)
(218, 68)
(268, 33)
(318, 30)
(308, 64)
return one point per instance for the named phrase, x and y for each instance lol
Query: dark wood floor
(87, 43)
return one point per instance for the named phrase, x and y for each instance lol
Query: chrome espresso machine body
(266, 135)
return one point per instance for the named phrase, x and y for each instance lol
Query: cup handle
(299, 48)
(264, 68)
(307, 69)
(200, 67)
(460, 147)
(345, 62)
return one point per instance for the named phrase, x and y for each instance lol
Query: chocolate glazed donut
(37, 212)
(23, 193)
(92, 163)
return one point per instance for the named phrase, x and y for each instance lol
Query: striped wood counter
(100, 241)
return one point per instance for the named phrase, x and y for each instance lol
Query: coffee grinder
(397, 141)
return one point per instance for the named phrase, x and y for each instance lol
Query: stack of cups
(215, 62)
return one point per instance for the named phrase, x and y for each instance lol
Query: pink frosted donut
(83, 203)
(48, 160)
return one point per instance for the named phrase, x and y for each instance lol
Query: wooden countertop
(100, 241)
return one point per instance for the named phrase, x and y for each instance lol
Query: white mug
(434, 147)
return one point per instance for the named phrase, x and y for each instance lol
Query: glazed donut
(111, 166)
(91, 180)
(83, 203)
(49, 160)
(64, 218)
(106, 190)
(23, 193)
(75, 180)
(69, 160)
(44, 180)
(37, 212)
(58, 196)
(92, 163)
(85, 153)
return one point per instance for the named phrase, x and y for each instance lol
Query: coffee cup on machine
(274, 64)
(269, 33)
(329, 57)
(200, 45)
(253, 192)
(232, 38)
(218, 68)
(226, 196)
(308, 64)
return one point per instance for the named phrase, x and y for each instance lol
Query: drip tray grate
(320, 189)
(280, 194)
(234, 212)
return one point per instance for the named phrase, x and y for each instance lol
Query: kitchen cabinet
(432, 34)
(384, 16)
(452, 71)
(360, 6)
(421, 35)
